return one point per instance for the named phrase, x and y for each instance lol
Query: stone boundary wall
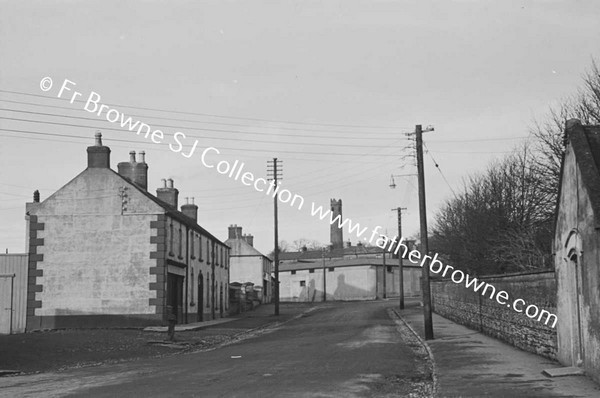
(463, 305)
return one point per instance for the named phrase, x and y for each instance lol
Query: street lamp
(393, 182)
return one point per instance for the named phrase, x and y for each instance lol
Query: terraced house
(103, 251)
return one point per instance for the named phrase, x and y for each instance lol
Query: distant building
(246, 264)
(105, 252)
(352, 272)
(577, 250)
(347, 279)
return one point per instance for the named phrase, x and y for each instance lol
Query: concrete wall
(363, 282)
(13, 293)
(412, 281)
(247, 269)
(89, 259)
(255, 269)
(469, 308)
(577, 263)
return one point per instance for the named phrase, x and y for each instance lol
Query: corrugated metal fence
(13, 293)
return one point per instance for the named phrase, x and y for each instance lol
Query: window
(294, 272)
(207, 252)
(207, 289)
(222, 257)
(311, 271)
(192, 239)
(389, 268)
(200, 248)
(331, 269)
(302, 283)
(171, 239)
(180, 236)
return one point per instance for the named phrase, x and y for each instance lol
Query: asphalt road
(338, 350)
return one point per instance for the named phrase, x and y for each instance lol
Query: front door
(175, 295)
(200, 298)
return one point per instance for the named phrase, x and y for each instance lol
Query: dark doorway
(175, 295)
(200, 298)
(221, 301)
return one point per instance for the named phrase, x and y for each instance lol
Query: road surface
(337, 350)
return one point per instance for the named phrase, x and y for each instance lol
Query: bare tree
(503, 219)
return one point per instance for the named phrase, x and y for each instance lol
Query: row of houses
(103, 251)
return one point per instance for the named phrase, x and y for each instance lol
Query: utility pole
(384, 272)
(428, 322)
(274, 175)
(324, 277)
(400, 269)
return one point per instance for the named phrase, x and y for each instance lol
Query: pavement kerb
(277, 323)
(427, 348)
(240, 336)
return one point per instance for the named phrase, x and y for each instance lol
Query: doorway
(576, 300)
(175, 296)
(200, 298)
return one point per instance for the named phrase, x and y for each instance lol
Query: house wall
(470, 308)
(575, 219)
(89, 264)
(411, 281)
(209, 260)
(13, 295)
(247, 269)
(361, 282)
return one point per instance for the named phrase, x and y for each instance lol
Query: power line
(137, 142)
(221, 123)
(438, 168)
(197, 128)
(214, 115)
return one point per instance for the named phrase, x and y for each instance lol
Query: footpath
(56, 350)
(470, 364)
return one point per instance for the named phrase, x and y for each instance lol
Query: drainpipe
(187, 270)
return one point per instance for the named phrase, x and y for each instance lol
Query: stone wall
(469, 308)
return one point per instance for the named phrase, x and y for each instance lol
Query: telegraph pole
(401, 276)
(384, 272)
(324, 277)
(428, 322)
(274, 175)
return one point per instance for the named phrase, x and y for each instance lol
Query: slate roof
(335, 253)
(239, 247)
(170, 210)
(585, 141)
(340, 262)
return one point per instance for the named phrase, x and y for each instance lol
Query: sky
(331, 88)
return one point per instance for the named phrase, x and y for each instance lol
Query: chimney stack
(168, 193)
(235, 232)
(249, 239)
(36, 196)
(140, 171)
(98, 155)
(190, 210)
(136, 172)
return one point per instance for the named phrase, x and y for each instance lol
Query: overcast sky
(329, 87)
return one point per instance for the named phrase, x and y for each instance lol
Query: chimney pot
(98, 137)
(36, 196)
(170, 183)
(132, 156)
(98, 156)
(142, 157)
(164, 182)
